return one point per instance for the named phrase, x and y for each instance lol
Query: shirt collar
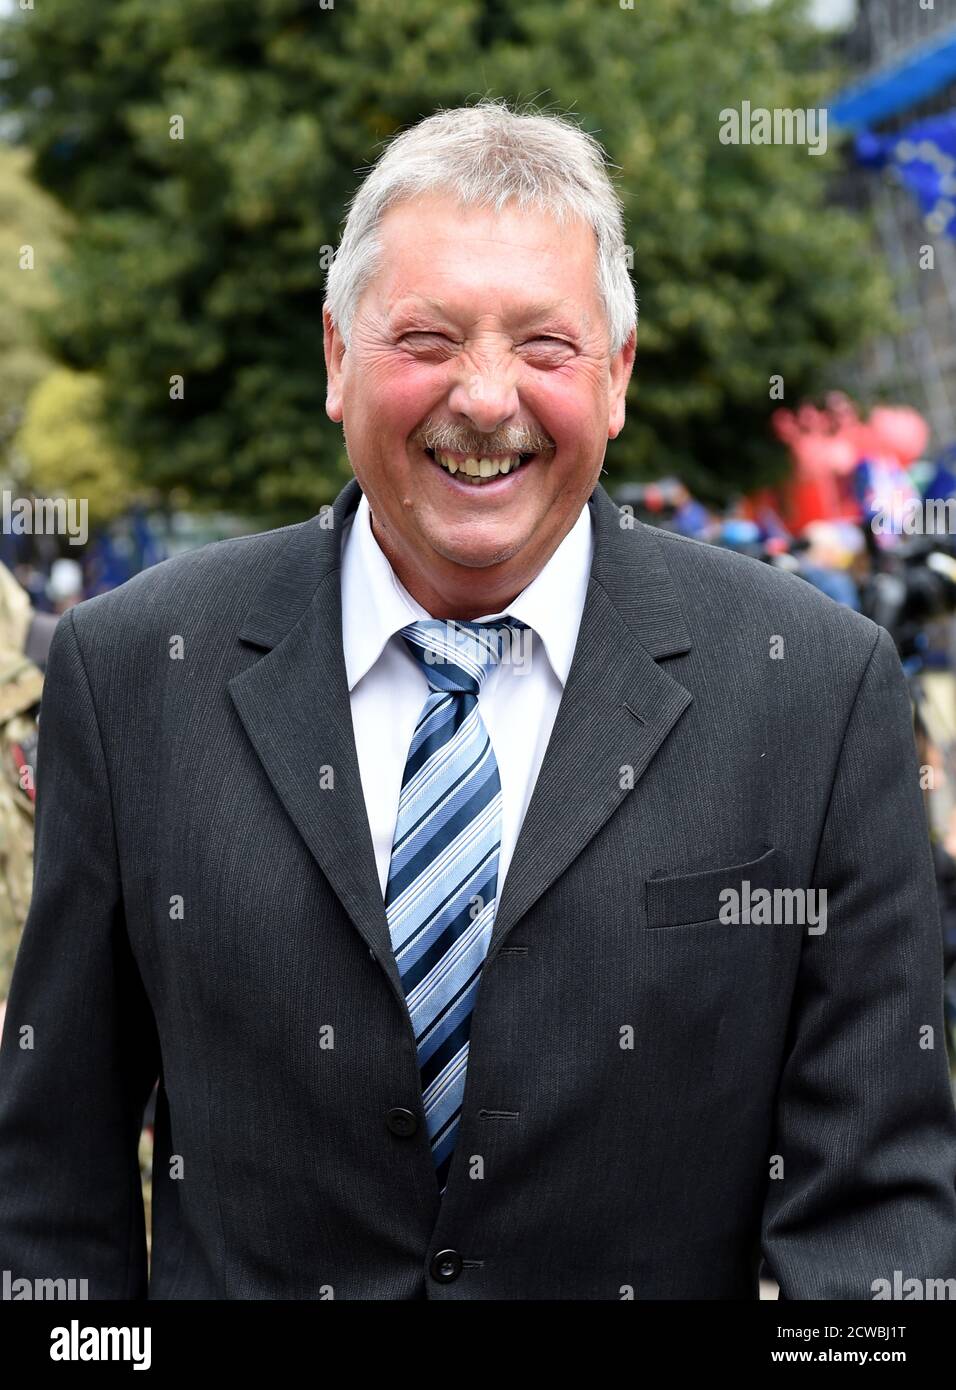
(376, 605)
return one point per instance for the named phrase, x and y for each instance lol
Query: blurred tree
(202, 257)
(67, 449)
(52, 434)
(30, 228)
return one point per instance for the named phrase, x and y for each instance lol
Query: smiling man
(478, 391)
(399, 849)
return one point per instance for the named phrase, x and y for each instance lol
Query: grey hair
(489, 155)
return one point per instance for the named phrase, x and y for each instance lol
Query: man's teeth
(478, 469)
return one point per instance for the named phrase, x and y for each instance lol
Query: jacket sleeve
(79, 1054)
(865, 1123)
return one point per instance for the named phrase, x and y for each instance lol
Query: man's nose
(486, 395)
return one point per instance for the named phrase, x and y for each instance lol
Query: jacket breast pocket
(683, 900)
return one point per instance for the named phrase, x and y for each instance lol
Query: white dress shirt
(387, 686)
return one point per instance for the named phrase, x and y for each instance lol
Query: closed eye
(424, 339)
(546, 351)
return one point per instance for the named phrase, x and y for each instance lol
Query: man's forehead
(557, 311)
(509, 231)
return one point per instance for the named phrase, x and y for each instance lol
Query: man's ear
(621, 366)
(334, 352)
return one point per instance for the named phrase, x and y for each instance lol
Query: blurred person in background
(826, 560)
(65, 585)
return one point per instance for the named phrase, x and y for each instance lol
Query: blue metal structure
(912, 78)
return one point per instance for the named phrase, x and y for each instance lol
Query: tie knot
(455, 655)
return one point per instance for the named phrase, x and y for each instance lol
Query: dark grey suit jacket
(654, 1095)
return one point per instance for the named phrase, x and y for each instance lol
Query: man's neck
(461, 593)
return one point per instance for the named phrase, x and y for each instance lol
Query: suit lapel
(294, 705)
(617, 708)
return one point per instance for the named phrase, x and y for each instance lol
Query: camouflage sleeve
(18, 742)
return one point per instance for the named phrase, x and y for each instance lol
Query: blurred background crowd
(173, 179)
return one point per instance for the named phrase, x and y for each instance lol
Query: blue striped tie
(443, 877)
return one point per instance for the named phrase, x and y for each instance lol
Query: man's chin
(486, 556)
(482, 545)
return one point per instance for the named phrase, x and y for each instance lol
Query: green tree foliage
(67, 449)
(203, 257)
(30, 228)
(53, 437)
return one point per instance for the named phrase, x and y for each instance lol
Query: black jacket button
(445, 1266)
(401, 1122)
